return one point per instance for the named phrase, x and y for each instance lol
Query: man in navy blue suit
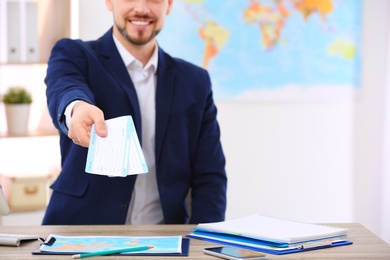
(125, 72)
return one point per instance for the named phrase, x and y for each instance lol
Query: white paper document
(273, 229)
(119, 153)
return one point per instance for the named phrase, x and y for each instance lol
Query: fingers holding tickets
(84, 115)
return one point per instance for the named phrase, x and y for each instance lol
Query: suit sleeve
(66, 79)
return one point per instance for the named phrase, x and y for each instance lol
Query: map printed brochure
(119, 153)
(271, 235)
(70, 245)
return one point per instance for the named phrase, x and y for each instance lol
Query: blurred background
(301, 86)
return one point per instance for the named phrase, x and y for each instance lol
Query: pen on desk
(113, 251)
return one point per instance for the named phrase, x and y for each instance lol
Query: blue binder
(267, 246)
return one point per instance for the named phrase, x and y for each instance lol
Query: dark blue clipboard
(185, 248)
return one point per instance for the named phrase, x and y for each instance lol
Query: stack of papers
(271, 235)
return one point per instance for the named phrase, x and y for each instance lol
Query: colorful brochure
(70, 245)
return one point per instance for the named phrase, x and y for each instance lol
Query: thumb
(101, 128)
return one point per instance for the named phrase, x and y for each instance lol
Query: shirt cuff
(68, 112)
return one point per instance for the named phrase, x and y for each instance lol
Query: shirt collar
(129, 59)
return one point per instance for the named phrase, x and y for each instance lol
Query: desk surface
(365, 244)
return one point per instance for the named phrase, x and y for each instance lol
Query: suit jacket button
(123, 207)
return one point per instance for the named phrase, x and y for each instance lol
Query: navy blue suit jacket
(188, 148)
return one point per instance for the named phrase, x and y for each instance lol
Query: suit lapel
(114, 65)
(164, 96)
(164, 93)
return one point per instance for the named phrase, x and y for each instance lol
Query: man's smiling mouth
(140, 23)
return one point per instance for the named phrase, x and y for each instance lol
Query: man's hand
(84, 115)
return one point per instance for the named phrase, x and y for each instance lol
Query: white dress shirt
(145, 205)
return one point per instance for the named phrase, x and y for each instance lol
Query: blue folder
(267, 246)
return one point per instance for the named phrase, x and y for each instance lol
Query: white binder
(32, 43)
(13, 32)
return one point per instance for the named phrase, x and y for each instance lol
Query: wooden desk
(366, 244)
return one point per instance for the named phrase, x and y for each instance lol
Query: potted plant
(17, 101)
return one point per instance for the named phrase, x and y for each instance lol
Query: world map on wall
(255, 47)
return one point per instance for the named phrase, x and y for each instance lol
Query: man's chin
(139, 40)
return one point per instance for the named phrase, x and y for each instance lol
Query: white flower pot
(17, 118)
